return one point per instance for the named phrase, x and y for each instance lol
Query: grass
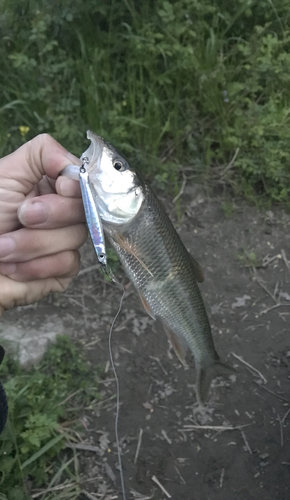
(171, 84)
(249, 259)
(44, 413)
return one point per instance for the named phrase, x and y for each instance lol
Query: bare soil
(237, 446)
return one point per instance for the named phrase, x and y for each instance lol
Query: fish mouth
(92, 156)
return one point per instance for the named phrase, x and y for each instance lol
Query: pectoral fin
(179, 345)
(125, 245)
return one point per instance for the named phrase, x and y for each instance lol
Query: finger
(67, 187)
(45, 186)
(14, 293)
(51, 211)
(28, 244)
(40, 156)
(62, 265)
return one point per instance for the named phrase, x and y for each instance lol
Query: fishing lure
(93, 218)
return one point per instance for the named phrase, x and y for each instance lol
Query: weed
(40, 403)
(188, 82)
(249, 259)
(113, 264)
(228, 207)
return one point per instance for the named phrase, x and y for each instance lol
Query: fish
(153, 256)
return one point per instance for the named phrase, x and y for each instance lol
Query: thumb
(43, 155)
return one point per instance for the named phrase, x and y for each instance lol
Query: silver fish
(153, 256)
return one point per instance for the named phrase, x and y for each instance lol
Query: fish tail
(207, 374)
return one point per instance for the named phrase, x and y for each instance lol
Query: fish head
(118, 192)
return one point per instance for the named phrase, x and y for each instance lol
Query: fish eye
(118, 165)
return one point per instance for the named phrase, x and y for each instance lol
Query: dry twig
(246, 442)
(231, 164)
(84, 447)
(181, 189)
(69, 397)
(59, 487)
(93, 342)
(272, 392)
(166, 437)
(266, 289)
(181, 478)
(270, 308)
(89, 495)
(160, 364)
(285, 259)
(154, 478)
(218, 428)
(138, 445)
(222, 477)
(140, 496)
(267, 260)
(250, 367)
(281, 422)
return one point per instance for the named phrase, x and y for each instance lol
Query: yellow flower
(23, 130)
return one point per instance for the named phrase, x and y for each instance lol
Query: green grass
(249, 259)
(45, 404)
(173, 84)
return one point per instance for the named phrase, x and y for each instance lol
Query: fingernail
(7, 269)
(32, 212)
(7, 246)
(66, 186)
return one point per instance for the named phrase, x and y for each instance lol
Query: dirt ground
(237, 446)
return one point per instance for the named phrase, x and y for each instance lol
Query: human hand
(41, 222)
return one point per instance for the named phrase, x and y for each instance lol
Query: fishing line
(117, 388)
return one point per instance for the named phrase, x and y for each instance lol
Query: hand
(41, 222)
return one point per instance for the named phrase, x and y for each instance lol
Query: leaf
(43, 450)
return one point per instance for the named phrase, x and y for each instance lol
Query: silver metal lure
(92, 216)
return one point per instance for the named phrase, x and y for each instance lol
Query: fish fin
(123, 243)
(145, 304)
(197, 269)
(206, 375)
(179, 344)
